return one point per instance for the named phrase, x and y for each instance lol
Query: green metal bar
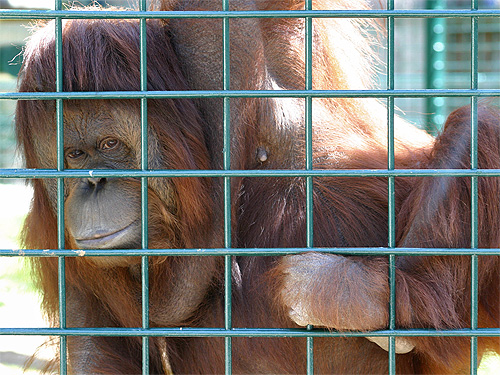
(309, 124)
(400, 13)
(251, 252)
(474, 313)
(61, 269)
(309, 161)
(391, 188)
(435, 65)
(390, 94)
(82, 173)
(226, 61)
(194, 94)
(243, 332)
(144, 191)
(474, 187)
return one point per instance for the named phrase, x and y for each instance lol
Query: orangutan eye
(109, 144)
(75, 154)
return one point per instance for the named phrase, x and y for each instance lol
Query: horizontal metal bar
(369, 251)
(193, 94)
(165, 173)
(130, 14)
(244, 332)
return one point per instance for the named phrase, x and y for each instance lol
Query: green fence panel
(436, 19)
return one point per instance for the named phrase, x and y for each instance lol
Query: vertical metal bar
(309, 159)
(436, 63)
(227, 189)
(63, 368)
(391, 188)
(474, 186)
(144, 191)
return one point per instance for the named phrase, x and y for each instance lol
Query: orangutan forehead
(88, 118)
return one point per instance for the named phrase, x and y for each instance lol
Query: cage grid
(389, 95)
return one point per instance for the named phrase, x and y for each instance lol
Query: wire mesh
(473, 93)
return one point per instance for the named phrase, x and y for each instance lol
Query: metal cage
(473, 15)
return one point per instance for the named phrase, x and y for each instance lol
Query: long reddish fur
(270, 212)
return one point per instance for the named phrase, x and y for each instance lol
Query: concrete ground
(19, 303)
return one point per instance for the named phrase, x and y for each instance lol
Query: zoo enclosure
(461, 70)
